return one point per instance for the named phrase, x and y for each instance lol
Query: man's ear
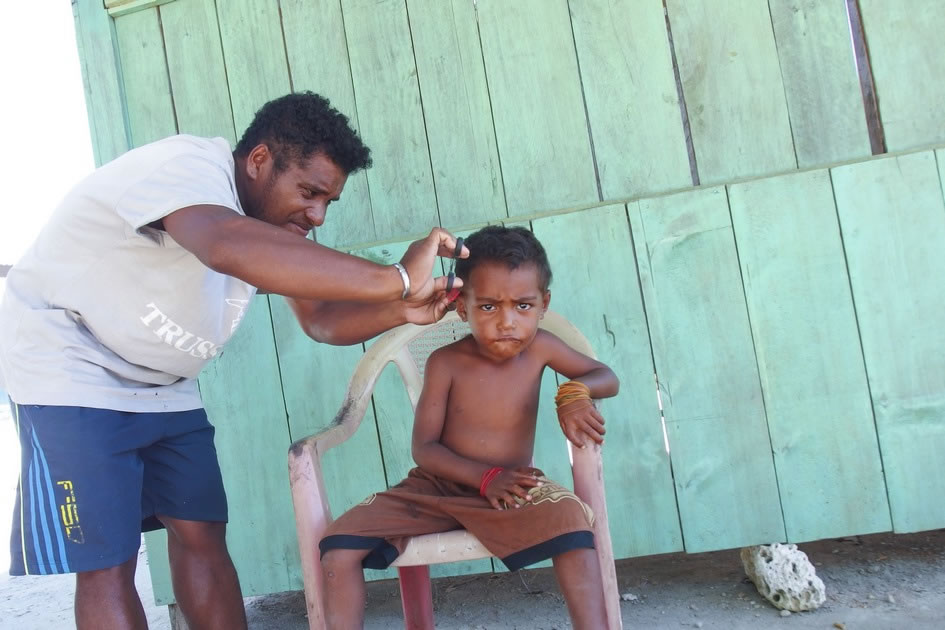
(258, 160)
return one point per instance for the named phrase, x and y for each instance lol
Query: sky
(47, 146)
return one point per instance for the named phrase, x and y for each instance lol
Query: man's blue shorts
(91, 480)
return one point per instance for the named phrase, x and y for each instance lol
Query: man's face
(296, 198)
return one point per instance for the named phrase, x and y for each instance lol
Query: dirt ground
(878, 582)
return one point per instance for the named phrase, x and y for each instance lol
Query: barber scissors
(451, 276)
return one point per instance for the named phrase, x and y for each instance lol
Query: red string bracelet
(487, 478)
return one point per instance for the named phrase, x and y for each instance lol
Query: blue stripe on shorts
(91, 480)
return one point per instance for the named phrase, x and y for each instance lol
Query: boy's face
(503, 307)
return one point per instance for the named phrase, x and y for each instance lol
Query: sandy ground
(879, 582)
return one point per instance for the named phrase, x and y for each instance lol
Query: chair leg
(416, 595)
(588, 469)
(311, 518)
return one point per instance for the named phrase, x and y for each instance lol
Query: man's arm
(346, 323)
(277, 261)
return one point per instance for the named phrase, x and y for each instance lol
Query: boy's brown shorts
(554, 521)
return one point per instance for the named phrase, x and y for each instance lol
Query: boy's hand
(509, 484)
(579, 420)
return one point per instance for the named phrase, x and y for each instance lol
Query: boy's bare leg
(579, 577)
(205, 582)
(107, 599)
(345, 592)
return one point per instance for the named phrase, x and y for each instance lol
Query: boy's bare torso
(492, 406)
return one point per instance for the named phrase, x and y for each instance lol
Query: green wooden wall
(703, 181)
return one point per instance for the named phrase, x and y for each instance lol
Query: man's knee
(196, 536)
(119, 576)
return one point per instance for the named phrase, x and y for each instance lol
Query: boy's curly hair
(512, 246)
(298, 125)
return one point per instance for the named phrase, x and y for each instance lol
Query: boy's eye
(524, 306)
(487, 307)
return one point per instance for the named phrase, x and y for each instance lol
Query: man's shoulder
(185, 144)
(171, 149)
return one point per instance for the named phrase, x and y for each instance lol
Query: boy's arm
(439, 460)
(579, 419)
(576, 366)
(427, 450)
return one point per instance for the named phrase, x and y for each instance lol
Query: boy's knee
(335, 561)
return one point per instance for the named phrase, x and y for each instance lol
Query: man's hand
(579, 421)
(510, 487)
(427, 300)
(427, 312)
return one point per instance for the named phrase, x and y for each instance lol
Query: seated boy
(473, 437)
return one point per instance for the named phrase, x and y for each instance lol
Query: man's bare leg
(345, 592)
(206, 586)
(107, 599)
(579, 577)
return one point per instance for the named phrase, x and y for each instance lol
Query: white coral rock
(784, 576)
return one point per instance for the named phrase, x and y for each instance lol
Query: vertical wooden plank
(395, 420)
(155, 545)
(820, 81)
(537, 105)
(632, 103)
(196, 69)
(144, 69)
(721, 454)
(904, 40)
(254, 53)
(101, 75)
(807, 344)
(728, 66)
(391, 117)
(601, 296)
(456, 109)
(243, 396)
(892, 218)
(940, 160)
(320, 64)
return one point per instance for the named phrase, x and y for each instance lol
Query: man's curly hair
(511, 246)
(298, 125)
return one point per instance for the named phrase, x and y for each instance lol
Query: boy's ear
(461, 306)
(545, 300)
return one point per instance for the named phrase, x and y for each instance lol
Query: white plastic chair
(408, 347)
